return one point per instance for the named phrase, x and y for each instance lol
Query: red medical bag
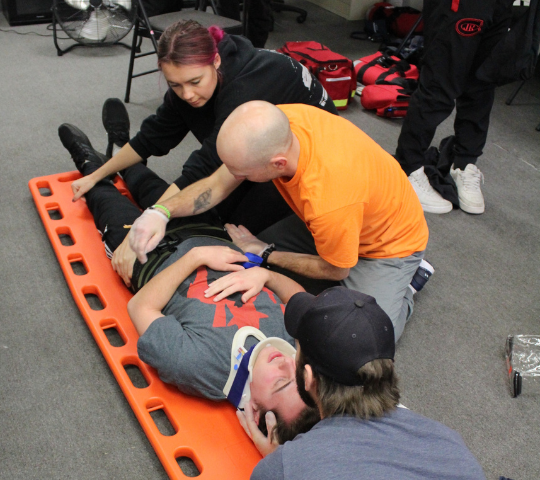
(393, 20)
(383, 67)
(334, 71)
(389, 100)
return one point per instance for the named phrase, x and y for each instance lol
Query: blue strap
(242, 374)
(254, 260)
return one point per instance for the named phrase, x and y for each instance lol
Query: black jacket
(248, 74)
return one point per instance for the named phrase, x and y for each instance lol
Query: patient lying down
(197, 321)
(195, 324)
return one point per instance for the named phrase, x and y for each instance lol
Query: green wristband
(165, 210)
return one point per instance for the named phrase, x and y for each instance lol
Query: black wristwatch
(266, 253)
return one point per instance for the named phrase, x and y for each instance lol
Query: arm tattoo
(202, 201)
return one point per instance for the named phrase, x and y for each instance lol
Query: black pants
(456, 44)
(112, 210)
(259, 18)
(254, 205)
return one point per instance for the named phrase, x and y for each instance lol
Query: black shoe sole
(79, 146)
(115, 119)
(66, 129)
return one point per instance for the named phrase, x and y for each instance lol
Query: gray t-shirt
(191, 346)
(399, 446)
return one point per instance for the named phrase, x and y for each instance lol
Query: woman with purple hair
(209, 74)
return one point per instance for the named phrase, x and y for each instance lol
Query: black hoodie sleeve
(203, 162)
(163, 131)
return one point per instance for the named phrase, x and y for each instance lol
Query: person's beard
(301, 387)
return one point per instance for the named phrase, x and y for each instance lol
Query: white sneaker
(468, 181)
(430, 199)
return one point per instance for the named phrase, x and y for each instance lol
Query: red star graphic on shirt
(244, 315)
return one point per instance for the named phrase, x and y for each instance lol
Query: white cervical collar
(238, 350)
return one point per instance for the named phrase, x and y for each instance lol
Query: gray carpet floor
(62, 414)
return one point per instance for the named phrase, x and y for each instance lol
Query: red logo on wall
(468, 27)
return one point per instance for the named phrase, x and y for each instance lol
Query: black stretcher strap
(142, 273)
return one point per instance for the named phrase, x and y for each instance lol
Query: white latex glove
(146, 233)
(245, 240)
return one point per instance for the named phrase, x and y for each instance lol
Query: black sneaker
(79, 146)
(116, 122)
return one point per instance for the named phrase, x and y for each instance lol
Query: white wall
(413, 3)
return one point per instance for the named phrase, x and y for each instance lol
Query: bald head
(252, 135)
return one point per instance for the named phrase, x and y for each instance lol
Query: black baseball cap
(339, 331)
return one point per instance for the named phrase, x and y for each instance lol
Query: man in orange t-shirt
(358, 220)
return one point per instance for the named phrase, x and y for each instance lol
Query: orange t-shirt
(353, 196)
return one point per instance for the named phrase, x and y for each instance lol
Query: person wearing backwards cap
(345, 367)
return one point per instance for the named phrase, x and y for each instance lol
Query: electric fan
(93, 22)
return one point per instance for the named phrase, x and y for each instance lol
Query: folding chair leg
(132, 60)
(510, 99)
(59, 52)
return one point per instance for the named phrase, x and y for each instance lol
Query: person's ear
(279, 162)
(256, 415)
(309, 381)
(217, 61)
